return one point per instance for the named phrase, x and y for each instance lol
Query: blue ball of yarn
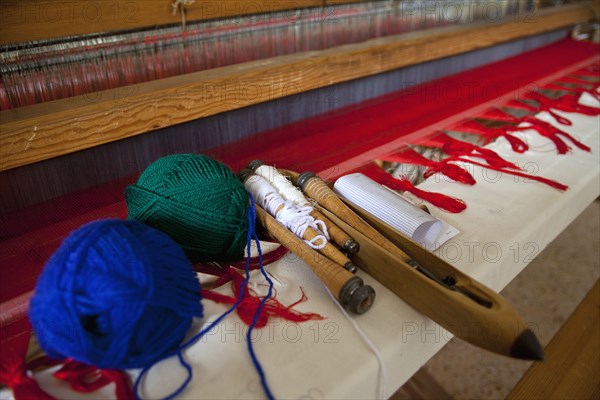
(116, 294)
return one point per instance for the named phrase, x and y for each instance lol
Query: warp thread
(179, 6)
(490, 134)
(452, 171)
(457, 148)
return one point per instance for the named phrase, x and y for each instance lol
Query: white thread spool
(297, 219)
(282, 184)
(288, 191)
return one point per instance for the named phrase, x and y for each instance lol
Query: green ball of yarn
(197, 201)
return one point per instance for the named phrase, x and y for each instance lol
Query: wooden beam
(25, 21)
(38, 132)
(572, 367)
(422, 385)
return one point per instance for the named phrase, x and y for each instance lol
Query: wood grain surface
(332, 275)
(24, 21)
(42, 131)
(494, 328)
(572, 366)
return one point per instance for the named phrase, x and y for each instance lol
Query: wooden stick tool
(318, 190)
(457, 302)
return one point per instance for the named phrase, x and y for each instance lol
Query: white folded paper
(391, 208)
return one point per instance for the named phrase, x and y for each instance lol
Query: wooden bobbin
(337, 235)
(329, 250)
(310, 233)
(318, 190)
(349, 289)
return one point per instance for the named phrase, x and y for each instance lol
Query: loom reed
(40, 71)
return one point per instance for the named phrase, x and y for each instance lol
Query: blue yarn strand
(263, 379)
(255, 361)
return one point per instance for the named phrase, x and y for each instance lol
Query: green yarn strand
(197, 201)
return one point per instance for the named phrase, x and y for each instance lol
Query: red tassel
(14, 373)
(457, 148)
(552, 133)
(544, 129)
(450, 204)
(530, 107)
(454, 172)
(549, 182)
(567, 102)
(474, 127)
(249, 304)
(82, 378)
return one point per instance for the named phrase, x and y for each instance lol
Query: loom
(93, 92)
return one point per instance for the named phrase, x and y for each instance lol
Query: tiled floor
(545, 294)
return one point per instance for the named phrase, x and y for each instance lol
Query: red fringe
(552, 133)
(87, 379)
(474, 127)
(543, 128)
(576, 89)
(549, 182)
(520, 104)
(450, 204)
(567, 102)
(454, 172)
(457, 148)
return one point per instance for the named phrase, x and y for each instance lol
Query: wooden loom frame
(50, 130)
(42, 131)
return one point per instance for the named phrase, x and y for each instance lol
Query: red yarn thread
(250, 302)
(13, 371)
(81, 377)
(542, 127)
(87, 379)
(448, 203)
(571, 84)
(541, 179)
(457, 148)
(216, 269)
(534, 109)
(452, 171)
(474, 127)
(568, 102)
